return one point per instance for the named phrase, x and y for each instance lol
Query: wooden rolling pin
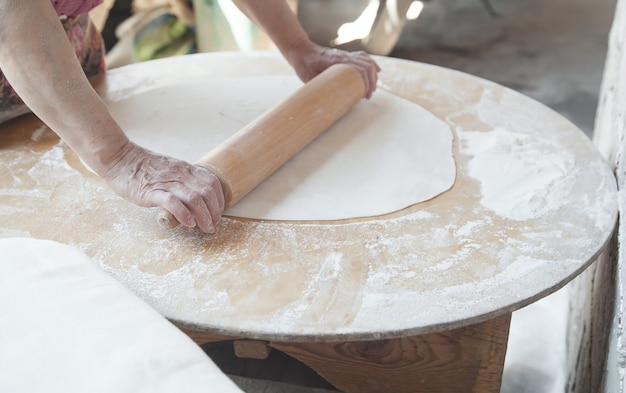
(253, 153)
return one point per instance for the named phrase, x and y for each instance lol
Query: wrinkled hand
(310, 61)
(190, 193)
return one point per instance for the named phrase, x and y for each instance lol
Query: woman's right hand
(190, 193)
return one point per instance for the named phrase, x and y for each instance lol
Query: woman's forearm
(278, 21)
(39, 62)
(307, 58)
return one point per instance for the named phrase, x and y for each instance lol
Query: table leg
(468, 359)
(464, 360)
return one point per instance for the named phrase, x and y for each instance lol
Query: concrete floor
(552, 51)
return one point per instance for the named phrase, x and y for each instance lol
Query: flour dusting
(38, 134)
(514, 183)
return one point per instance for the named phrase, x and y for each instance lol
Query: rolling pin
(254, 152)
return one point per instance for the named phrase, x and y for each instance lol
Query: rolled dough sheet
(386, 154)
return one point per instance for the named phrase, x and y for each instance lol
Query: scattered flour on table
(514, 183)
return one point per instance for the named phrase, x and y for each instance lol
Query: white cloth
(66, 326)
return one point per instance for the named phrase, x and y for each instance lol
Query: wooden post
(596, 352)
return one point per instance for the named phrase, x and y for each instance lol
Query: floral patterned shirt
(74, 7)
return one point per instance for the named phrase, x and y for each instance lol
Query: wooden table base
(467, 359)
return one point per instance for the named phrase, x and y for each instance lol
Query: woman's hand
(306, 57)
(190, 193)
(310, 59)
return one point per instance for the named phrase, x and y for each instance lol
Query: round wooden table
(418, 300)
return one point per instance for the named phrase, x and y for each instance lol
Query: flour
(522, 176)
(39, 133)
(54, 157)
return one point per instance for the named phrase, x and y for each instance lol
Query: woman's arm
(307, 58)
(39, 62)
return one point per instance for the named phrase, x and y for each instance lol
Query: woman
(49, 73)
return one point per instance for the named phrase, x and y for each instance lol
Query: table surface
(458, 259)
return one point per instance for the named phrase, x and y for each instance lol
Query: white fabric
(66, 326)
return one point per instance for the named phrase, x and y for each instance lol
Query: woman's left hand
(311, 60)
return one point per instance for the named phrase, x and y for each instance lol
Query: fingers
(369, 71)
(173, 204)
(366, 66)
(373, 71)
(190, 207)
(202, 200)
(310, 63)
(191, 194)
(210, 196)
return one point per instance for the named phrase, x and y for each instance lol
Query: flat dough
(384, 155)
